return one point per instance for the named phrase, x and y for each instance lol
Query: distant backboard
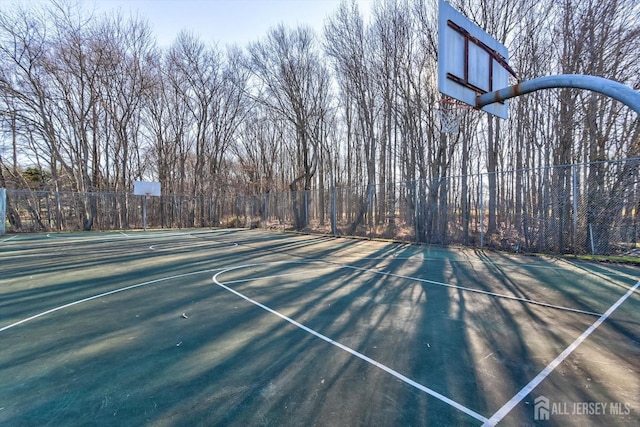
(142, 188)
(470, 61)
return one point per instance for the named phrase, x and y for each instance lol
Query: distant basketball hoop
(143, 188)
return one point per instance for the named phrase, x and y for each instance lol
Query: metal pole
(144, 213)
(306, 207)
(334, 230)
(481, 216)
(608, 87)
(3, 211)
(415, 211)
(370, 213)
(284, 201)
(575, 201)
(265, 215)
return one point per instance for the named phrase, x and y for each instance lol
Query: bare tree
(347, 43)
(292, 83)
(599, 39)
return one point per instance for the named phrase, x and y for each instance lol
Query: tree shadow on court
(273, 373)
(386, 318)
(132, 358)
(60, 276)
(532, 335)
(112, 369)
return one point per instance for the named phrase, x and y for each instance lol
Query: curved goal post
(473, 68)
(611, 88)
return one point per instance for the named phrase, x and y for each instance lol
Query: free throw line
(477, 291)
(507, 407)
(104, 294)
(348, 349)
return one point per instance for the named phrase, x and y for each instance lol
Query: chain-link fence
(582, 208)
(3, 211)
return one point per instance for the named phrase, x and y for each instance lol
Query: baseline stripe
(350, 350)
(507, 407)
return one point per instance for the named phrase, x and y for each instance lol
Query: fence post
(59, 216)
(265, 210)
(415, 211)
(575, 205)
(306, 208)
(3, 211)
(371, 190)
(210, 210)
(333, 211)
(284, 201)
(481, 216)
(251, 203)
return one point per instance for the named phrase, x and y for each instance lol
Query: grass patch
(614, 259)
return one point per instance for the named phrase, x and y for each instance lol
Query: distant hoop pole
(611, 88)
(144, 212)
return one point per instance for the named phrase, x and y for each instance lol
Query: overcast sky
(223, 21)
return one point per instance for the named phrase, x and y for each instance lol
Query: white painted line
(350, 350)
(9, 238)
(117, 237)
(537, 266)
(211, 244)
(433, 282)
(478, 291)
(70, 238)
(507, 407)
(273, 276)
(115, 291)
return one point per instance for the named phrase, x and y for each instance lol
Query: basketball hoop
(146, 189)
(470, 61)
(450, 113)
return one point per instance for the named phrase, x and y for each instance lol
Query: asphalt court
(248, 327)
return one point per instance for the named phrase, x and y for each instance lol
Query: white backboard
(143, 188)
(470, 61)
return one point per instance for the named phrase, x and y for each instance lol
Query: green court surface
(247, 327)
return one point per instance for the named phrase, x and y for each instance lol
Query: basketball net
(450, 115)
